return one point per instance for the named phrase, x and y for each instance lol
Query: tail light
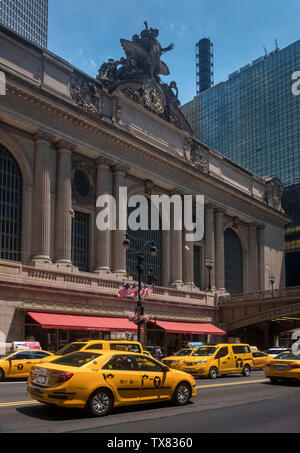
(295, 365)
(62, 377)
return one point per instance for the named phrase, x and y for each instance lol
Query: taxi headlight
(201, 361)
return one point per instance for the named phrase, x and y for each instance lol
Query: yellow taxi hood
(175, 357)
(198, 358)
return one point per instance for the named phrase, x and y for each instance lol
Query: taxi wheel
(274, 380)
(246, 370)
(213, 373)
(2, 375)
(100, 403)
(182, 394)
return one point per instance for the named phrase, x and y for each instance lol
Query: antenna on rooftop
(276, 45)
(265, 51)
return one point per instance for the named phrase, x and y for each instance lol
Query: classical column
(187, 261)
(253, 257)
(41, 227)
(64, 212)
(209, 241)
(118, 236)
(219, 249)
(175, 252)
(103, 238)
(165, 258)
(261, 256)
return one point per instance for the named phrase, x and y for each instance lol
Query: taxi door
(20, 364)
(156, 383)
(121, 375)
(225, 360)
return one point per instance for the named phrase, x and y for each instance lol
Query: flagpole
(139, 307)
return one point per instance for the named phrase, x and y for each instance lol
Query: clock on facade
(153, 96)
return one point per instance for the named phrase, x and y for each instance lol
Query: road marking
(231, 383)
(18, 403)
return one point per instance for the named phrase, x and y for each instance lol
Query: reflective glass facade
(253, 118)
(29, 18)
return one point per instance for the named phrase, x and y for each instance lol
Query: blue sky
(87, 33)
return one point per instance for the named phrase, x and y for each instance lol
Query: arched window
(233, 262)
(11, 192)
(138, 238)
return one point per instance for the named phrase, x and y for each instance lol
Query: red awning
(190, 327)
(55, 321)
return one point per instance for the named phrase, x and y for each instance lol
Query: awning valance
(57, 321)
(190, 327)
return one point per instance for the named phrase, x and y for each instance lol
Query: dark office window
(138, 238)
(11, 194)
(233, 262)
(80, 241)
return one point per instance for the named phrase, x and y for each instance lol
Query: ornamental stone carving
(87, 95)
(273, 192)
(199, 157)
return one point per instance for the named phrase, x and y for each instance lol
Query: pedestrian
(158, 354)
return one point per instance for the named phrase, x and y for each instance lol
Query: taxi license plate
(41, 379)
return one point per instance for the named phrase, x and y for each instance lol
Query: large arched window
(11, 190)
(233, 262)
(138, 238)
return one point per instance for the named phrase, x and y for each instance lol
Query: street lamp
(139, 309)
(209, 264)
(272, 280)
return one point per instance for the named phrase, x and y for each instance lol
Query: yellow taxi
(121, 345)
(283, 367)
(19, 363)
(100, 380)
(260, 359)
(215, 360)
(175, 360)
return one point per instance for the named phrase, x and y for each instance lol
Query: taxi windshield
(77, 359)
(72, 347)
(203, 352)
(184, 352)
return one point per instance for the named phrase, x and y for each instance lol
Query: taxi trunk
(55, 385)
(283, 369)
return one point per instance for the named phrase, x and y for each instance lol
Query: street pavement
(229, 404)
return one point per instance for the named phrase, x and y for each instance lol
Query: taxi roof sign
(25, 345)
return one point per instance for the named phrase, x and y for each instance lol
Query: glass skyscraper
(253, 118)
(27, 17)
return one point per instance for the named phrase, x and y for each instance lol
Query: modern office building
(253, 118)
(29, 18)
(204, 64)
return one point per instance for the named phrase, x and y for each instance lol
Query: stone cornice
(123, 138)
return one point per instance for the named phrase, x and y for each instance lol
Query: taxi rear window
(287, 356)
(77, 359)
(241, 349)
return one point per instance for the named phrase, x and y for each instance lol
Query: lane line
(18, 403)
(231, 383)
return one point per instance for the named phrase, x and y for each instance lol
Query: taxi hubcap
(183, 394)
(101, 402)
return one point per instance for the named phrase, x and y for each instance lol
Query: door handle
(109, 376)
(145, 376)
(28, 363)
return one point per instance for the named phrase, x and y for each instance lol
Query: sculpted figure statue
(146, 51)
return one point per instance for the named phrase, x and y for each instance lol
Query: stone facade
(53, 126)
